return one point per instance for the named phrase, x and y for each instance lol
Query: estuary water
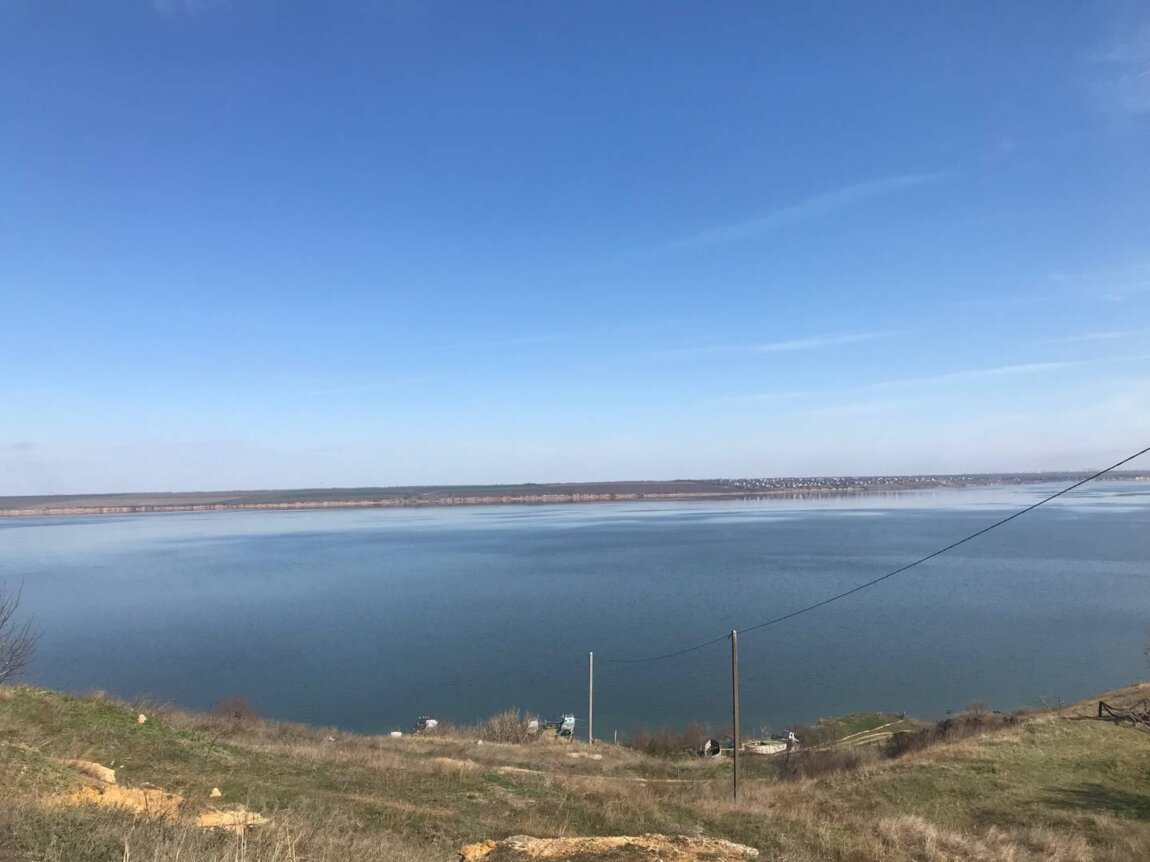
(365, 619)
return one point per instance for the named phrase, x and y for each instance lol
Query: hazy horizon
(1117, 475)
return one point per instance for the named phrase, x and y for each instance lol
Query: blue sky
(264, 243)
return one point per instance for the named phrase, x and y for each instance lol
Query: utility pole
(591, 698)
(735, 706)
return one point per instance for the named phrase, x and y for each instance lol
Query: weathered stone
(94, 770)
(637, 848)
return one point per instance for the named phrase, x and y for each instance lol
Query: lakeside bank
(794, 488)
(1062, 786)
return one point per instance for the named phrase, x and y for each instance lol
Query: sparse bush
(906, 741)
(809, 762)
(235, 708)
(665, 742)
(949, 729)
(507, 726)
(1027, 712)
(816, 734)
(17, 639)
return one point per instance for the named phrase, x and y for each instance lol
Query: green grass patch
(1065, 779)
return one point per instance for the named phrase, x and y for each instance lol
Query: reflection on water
(367, 618)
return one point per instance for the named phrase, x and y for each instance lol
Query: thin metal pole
(735, 706)
(590, 698)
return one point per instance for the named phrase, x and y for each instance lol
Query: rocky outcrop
(93, 770)
(623, 848)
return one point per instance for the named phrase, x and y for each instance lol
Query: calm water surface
(365, 619)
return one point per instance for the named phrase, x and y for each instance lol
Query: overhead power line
(882, 578)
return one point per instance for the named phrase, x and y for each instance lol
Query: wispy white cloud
(542, 338)
(1124, 83)
(813, 207)
(960, 376)
(1108, 284)
(188, 7)
(374, 386)
(817, 342)
(1011, 301)
(1112, 285)
(1104, 275)
(978, 374)
(1095, 336)
(546, 337)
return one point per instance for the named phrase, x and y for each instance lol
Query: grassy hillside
(1059, 786)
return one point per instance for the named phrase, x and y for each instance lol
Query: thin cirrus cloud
(1124, 83)
(960, 376)
(806, 210)
(373, 386)
(547, 337)
(793, 345)
(818, 342)
(187, 7)
(542, 338)
(1095, 336)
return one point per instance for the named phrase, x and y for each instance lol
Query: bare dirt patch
(149, 803)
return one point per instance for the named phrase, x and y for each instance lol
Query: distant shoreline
(494, 495)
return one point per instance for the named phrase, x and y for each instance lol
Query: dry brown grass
(916, 838)
(29, 832)
(1052, 787)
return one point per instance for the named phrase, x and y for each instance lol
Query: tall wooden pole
(735, 707)
(590, 698)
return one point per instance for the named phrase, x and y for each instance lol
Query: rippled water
(368, 618)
